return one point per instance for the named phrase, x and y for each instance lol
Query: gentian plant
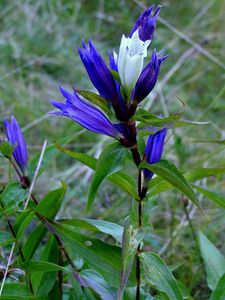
(58, 258)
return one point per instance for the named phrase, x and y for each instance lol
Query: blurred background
(38, 50)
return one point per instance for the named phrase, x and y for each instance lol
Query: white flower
(131, 59)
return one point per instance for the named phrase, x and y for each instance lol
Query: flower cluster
(122, 85)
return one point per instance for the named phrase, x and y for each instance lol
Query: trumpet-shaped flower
(154, 150)
(86, 115)
(131, 56)
(99, 73)
(146, 24)
(16, 139)
(148, 78)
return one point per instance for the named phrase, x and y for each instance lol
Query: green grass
(38, 50)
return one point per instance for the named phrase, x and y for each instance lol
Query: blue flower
(146, 24)
(86, 115)
(148, 78)
(99, 73)
(154, 150)
(16, 139)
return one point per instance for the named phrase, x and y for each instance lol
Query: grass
(38, 50)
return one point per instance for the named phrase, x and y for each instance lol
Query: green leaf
(96, 99)
(22, 222)
(115, 75)
(100, 256)
(98, 284)
(12, 195)
(157, 274)
(16, 291)
(41, 266)
(43, 282)
(48, 207)
(132, 237)
(213, 260)
(33, 241)
(215, 197)
(219, 292)
(115, 230)
(5, 238)
(158, 185)
(170, 173)
(111, 160)
(51, 203)
(121, 179)
(149, 119)
(6, 149)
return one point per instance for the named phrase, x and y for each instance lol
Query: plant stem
(142, 190)
(138, 263)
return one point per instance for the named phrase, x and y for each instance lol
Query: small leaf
(96, 99)
(110, 161)
(115, 75)
(219, 292)
(213, 260)
(157, 274)
(12, 195)
(147, 118)
(215, 197)
(6, 149)
(40, 266)
(170, 173)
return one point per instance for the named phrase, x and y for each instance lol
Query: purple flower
(153, 150)
(148, 78)
(16, 139)
(86, 115)
(99, 73)
(146, 24)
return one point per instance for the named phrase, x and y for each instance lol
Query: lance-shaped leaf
(48, 207)
(158, 185)
(96, 99)
(170, 173)
(219, 292)
(157, 274)
(215, 197)
(110, 161)
(213, 260)
(100, 256)
(41, 266)
(95, 281)
(113, 229)
(121, 179)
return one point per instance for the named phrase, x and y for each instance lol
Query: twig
(35, 174)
